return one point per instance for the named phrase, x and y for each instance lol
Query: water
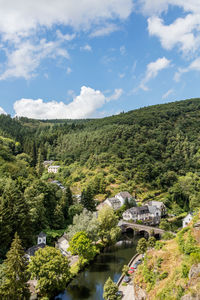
(89, 283)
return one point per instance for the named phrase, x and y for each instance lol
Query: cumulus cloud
(183, 32)
(153, 69)
(194, 66)
(82, 106)
(167, 94)
(2, 111)
(23, 25)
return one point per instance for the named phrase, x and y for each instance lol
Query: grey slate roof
(41, 234)
(124, 195)
(31, 251)
(140, 210)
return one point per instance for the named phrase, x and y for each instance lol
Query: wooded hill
(152, 152)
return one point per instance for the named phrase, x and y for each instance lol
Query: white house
(53, 169)
(137, 213)
(42, 238)
(113, 202)
(160, 205)
(122, 196)
(187, 219)
(62, 244)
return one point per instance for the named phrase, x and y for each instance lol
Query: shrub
(184, 271)
(163, 275)
(159, 245)
(159, 262)
(167, 236)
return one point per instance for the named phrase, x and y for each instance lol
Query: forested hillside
(151, 152)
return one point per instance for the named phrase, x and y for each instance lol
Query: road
(128, 290)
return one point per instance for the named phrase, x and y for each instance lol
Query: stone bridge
(138, 228)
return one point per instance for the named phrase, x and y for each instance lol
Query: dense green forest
(153, 152)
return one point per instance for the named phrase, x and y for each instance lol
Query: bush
(163, 275)
(184, 271)
(167, 236)
(159, 245)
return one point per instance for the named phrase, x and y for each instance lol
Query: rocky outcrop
(140, 294)
(194, 271)
(190, 297)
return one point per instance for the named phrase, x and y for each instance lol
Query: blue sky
(94, 58)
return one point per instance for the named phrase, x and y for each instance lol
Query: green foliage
(110, 290)
(184, 270)
(82, 246)
(51, 269)
(141, 246)
(186, 242)
(15, 276)
(125, 270)
(163, 275)
(87, 199)
(164, 225)
(167, 236)
(85, 221)
(151, 242)
(107, 221)
(159, 245)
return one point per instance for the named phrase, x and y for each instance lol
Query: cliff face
(173, 271)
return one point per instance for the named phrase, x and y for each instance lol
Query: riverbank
(128, 290)
(89, 283)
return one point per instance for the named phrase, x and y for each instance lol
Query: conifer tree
(110, 290)
(39, 166)
(87, 199)
(15, 282)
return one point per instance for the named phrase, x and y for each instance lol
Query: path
(128, 290)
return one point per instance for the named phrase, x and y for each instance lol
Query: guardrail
(129, 264)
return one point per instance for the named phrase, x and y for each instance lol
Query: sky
(72, 59)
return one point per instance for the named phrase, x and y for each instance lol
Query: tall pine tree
(15, 283)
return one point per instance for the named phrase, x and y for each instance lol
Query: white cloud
(26, 57)
(181, 33)
(65, 37)
(2, 111)
(194, 66)
(24, 23)
(116, 95)
(82, 106)
(86, 48)
(22, 17)
(105, 30)
(167, 94)
(152, 71)
(150, 7)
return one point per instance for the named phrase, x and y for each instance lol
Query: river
(89, 283)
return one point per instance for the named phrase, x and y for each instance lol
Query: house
(122, 196)
(113, 202)
(147, 214)
(137, 213)
(160, 205)
(187, 219)
(47, 163)
(41, 243)
(62, 244)
(155, 214)
(53, 169)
